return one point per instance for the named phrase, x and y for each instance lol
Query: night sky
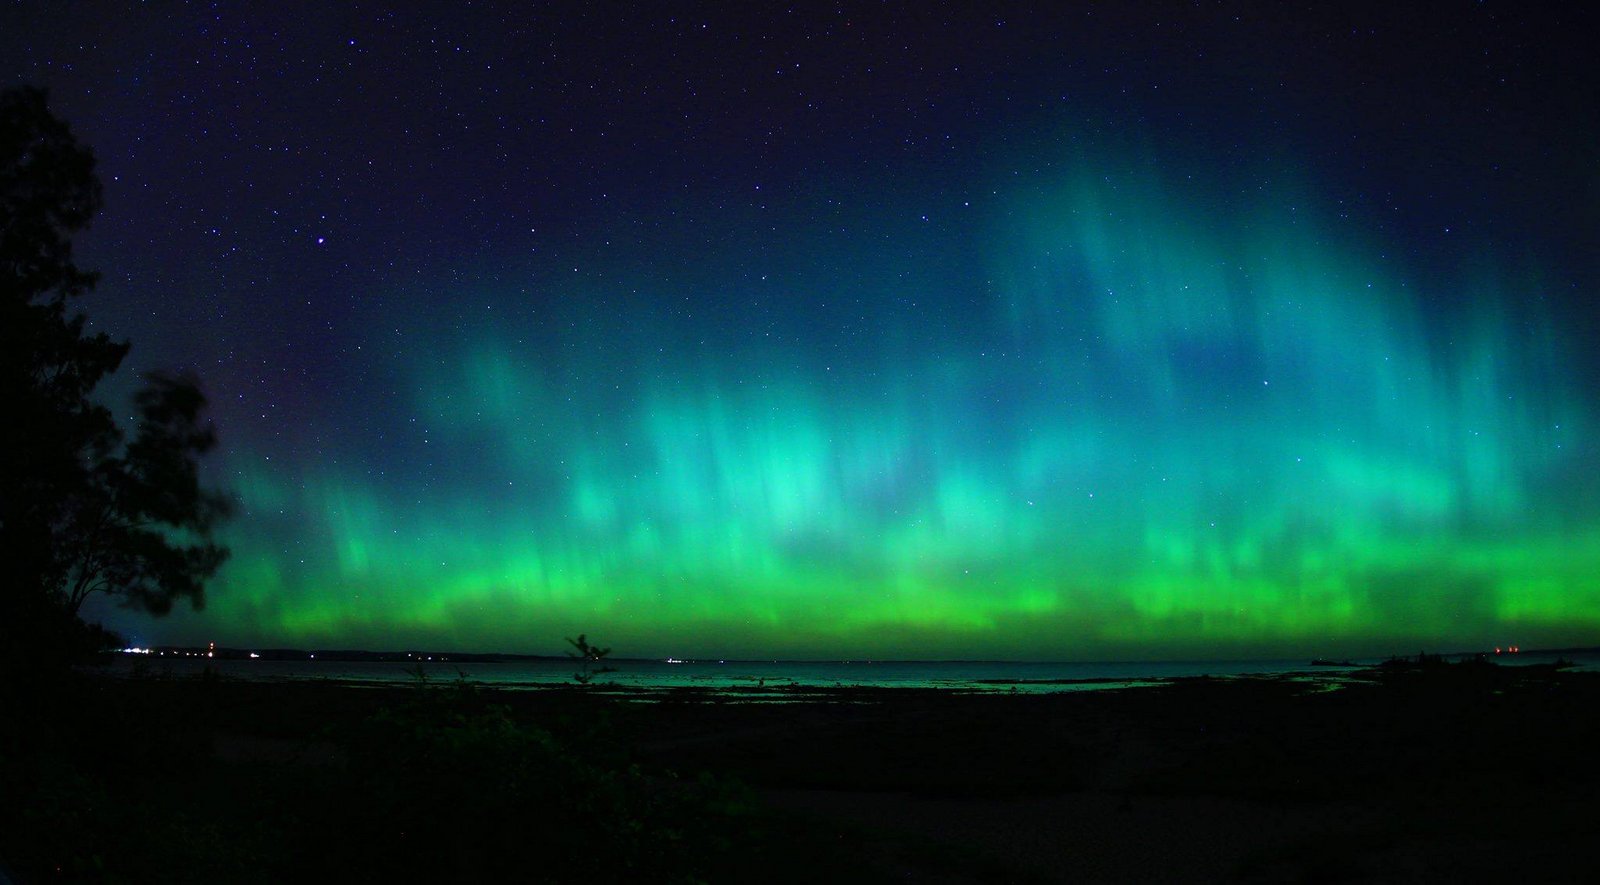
(1122, 331)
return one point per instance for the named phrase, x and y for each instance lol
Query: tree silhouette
(82, 510)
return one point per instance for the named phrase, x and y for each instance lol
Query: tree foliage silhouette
(82, 509)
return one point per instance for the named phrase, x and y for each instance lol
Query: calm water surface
(726, 675)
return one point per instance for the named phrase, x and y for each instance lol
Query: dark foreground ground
(1455, 773)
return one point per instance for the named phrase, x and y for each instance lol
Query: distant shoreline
(444, 657)
(651, 679)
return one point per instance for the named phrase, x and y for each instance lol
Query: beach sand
(1452, 776)
(1455, 773)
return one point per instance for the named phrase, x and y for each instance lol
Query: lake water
(634, 675)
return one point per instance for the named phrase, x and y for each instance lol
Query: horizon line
(1501, 651)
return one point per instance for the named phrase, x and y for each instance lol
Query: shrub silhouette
(591, 656)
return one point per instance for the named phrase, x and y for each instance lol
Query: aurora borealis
(867, 333)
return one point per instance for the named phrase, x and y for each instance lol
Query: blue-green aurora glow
(1113, 413)
(1006, 331)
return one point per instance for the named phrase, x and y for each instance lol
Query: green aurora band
(1108, 413)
